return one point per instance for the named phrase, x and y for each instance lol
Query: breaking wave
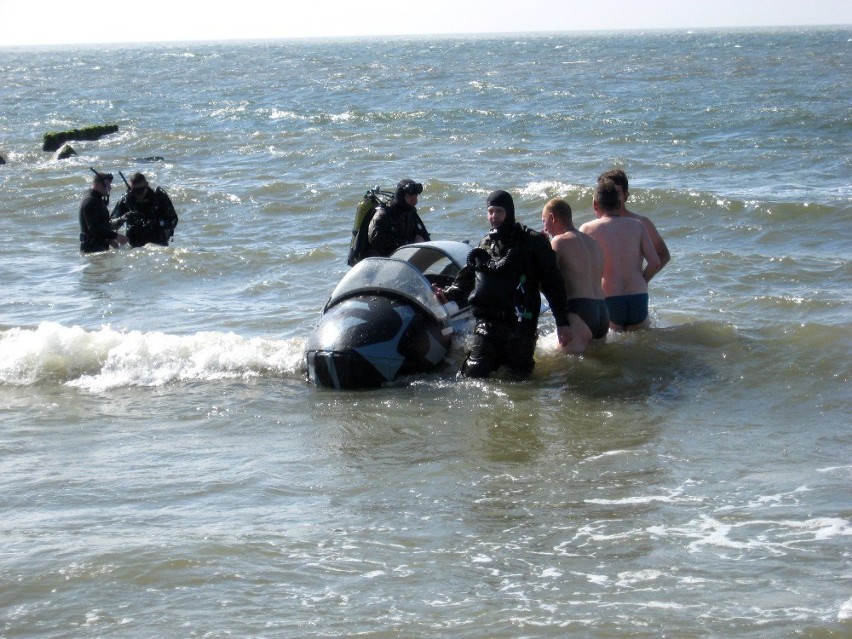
(108, 358)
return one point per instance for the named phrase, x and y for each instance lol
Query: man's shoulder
(591, 226)
(92, 199)
(162, 197)
(563, 240)
(620, 221)
(637, 216)
(574, 235)
(635, 222)
(611, 226)
(572, 238)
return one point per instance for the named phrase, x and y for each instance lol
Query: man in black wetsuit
(397, 223)
(149, 213)
(502, 281)
(97, 233)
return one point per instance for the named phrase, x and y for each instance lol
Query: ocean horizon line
(403, 37)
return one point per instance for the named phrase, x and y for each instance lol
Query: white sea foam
(769, 501)
(845, 471)
(598, 579)
(777, 537)
(97, 360)
(675, 495)
(277, 114)
(845, 612)
(632, 579)
(609, 453)
(540, 190)
(632, 501)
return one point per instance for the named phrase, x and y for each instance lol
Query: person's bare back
(619, 178)
(625, 243)
(581, 261)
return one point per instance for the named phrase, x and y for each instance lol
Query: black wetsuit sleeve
(119, 212)
(120, 208)
(552, 284)
(167, 210)
(461, 288)
(421, 228)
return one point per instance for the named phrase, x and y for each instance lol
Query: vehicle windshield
(439, 261)
(375, 275)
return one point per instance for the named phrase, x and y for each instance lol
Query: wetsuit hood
(504, 200)
(407, 186)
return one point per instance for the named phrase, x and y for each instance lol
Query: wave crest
(108, 358)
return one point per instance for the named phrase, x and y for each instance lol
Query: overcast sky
(31, 22)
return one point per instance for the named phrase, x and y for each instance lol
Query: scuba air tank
(361, 226)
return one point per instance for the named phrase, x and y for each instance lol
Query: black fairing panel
(368, 340)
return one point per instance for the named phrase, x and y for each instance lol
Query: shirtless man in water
(620, 178)
(625, 243)
(581, 262)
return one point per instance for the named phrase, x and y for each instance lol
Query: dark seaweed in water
(54, 140)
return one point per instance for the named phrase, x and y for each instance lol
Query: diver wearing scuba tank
(149, 213)
(502, 281)
(397, 223)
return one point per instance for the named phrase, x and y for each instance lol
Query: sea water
(166, 470)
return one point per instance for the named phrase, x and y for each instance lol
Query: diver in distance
(149, 213)
(97, 232)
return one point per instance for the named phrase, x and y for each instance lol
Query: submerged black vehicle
(383, 320)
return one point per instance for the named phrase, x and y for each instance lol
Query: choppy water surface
(166, 470)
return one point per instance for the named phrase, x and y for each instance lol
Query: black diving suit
(96, 230)
(151, 218)
(393, 226)
(502, 281)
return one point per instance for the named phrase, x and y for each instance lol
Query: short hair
(138, 178)
(616, 175)
(607, 196)
(560, 209)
